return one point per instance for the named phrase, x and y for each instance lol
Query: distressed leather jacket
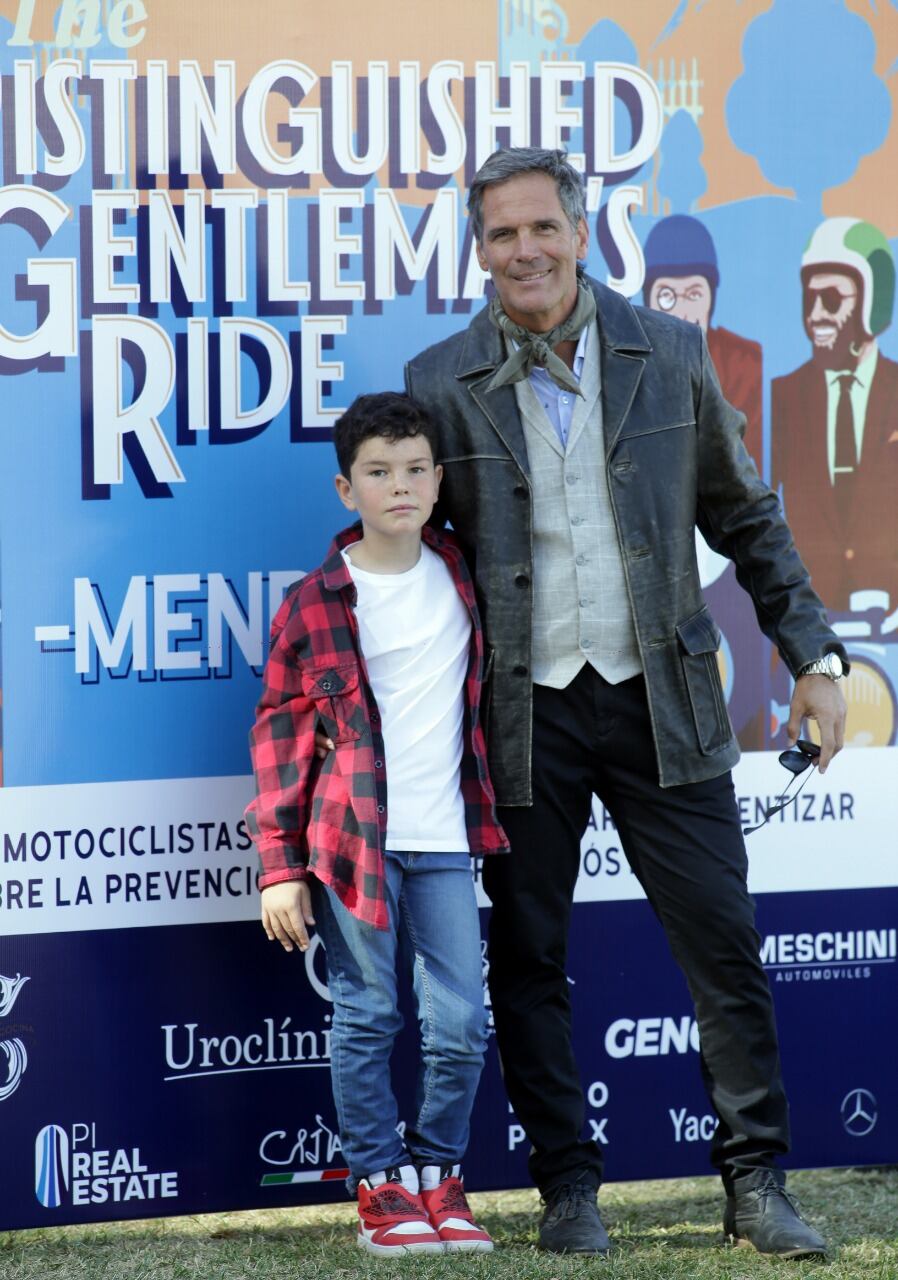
(674, 459)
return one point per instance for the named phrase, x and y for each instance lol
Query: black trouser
(685, 845)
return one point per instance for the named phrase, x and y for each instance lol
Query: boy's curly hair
(389, 414)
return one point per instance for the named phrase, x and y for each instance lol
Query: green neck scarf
(537, 348)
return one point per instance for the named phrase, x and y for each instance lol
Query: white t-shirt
(415, 634)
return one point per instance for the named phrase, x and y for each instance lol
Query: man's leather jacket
(674, 459)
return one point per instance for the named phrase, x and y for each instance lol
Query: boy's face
(393, 485)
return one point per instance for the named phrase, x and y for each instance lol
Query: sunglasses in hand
(804, 755)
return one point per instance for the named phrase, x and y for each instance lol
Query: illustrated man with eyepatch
(834, 420)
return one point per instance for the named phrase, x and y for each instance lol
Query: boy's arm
(282, 747)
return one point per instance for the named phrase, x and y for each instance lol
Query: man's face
(688, 297)
(831, 318)
(531, 250)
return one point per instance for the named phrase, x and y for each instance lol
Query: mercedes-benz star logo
(859, 1112)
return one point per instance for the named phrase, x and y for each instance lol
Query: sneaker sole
(385, 1250)
(468, 1246)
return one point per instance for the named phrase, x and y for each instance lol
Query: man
(682, 278)
(582, 439)
(835, 419)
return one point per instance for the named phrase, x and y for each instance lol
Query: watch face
(835, 664)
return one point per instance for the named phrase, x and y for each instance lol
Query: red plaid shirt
(329, 817)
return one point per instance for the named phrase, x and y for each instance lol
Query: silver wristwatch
(830, 665)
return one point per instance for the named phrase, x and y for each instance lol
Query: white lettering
(112, 419)
(225, 608)
(316, 370)
(490, 118)
(607, 160)
(648, 1031)
(24, 77)
(516, 1136)
(597, 1094)
(200, 119)
(344, 123)
(620, 202)
(157, 115)
(335, 243)
(651, 1037)
(234, 204)
(280, 287)
(391, 236)
(554, 118)
(70, 159)
(688, 1128)
(173, 621)
(57, 335)
(280, 372)
(107, 245)
(114, 75)
(171, 247)
(447, 118)
(597, 1128)
(307, 157)
(90, 624)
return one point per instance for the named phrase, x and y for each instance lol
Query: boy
(382, 647)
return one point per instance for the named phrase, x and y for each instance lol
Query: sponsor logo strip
(306, 1175)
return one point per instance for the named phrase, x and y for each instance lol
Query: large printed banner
(218, 224)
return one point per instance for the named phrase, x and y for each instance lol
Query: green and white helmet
(861, 247)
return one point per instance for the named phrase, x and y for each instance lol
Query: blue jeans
(433, 914)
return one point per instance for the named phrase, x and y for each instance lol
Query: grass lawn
(658, 1229)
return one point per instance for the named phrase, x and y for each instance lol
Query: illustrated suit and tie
(834, 420)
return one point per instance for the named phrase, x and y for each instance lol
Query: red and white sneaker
(392, 1219)
(449, 1211)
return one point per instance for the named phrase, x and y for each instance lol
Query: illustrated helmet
(862, 249)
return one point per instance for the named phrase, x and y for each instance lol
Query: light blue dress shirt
(557, 401)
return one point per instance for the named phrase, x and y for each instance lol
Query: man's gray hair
(511, 162)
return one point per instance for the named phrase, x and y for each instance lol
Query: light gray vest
(581, 610)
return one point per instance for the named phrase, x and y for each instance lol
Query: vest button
(519, 670)
(520, 491)
(521, 580)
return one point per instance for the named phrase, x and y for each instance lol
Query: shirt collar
(334, 572)
(579, 354)
(863, 373)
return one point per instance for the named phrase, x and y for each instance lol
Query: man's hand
(323, 744)
(819, 698)
(286, 910)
